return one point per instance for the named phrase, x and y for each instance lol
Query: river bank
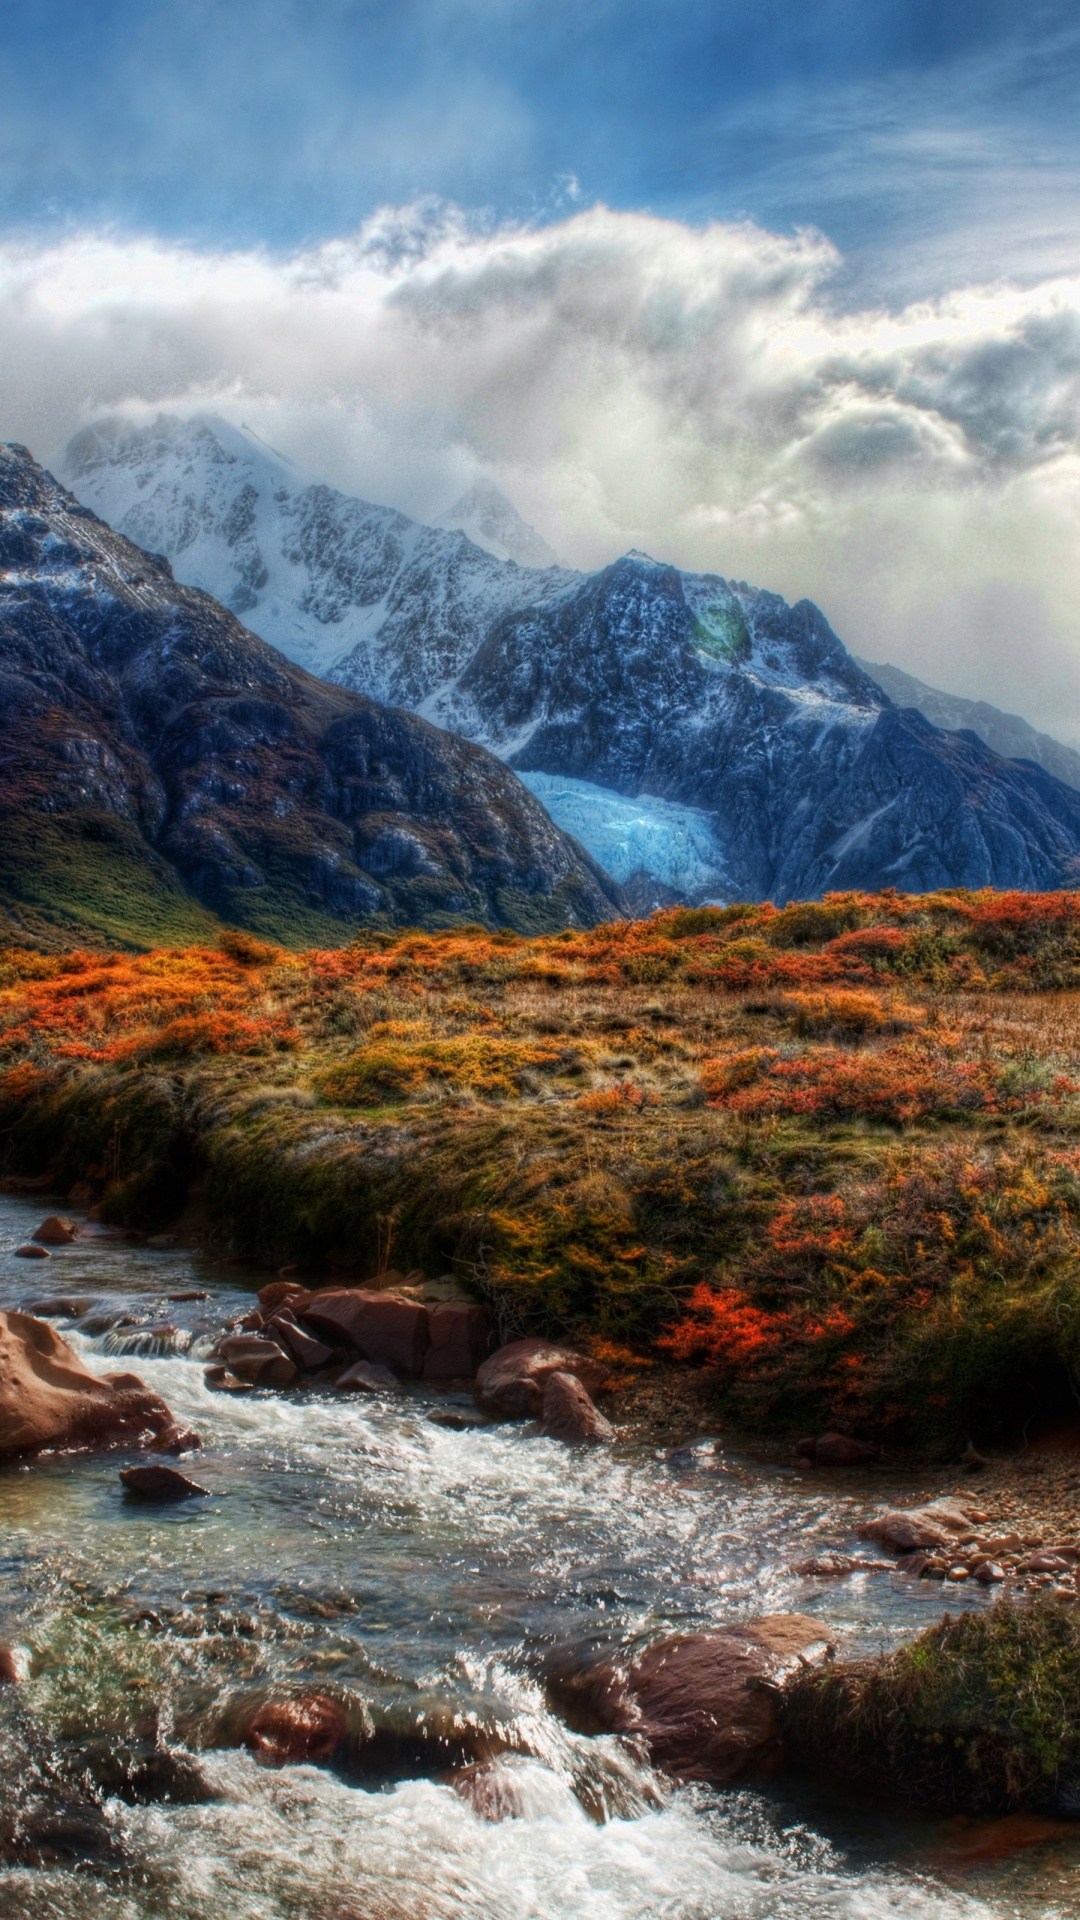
(430, 1576)
(828, 1156)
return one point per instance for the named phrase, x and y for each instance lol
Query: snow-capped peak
(495, 524)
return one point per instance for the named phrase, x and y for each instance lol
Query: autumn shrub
(897, 1084)
(848, 1013)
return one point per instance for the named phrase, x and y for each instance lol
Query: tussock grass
(980, 1715)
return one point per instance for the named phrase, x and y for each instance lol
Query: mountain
(161, 765)
(700, 736)
(313, 571)
(1006, 733)
(494, 523)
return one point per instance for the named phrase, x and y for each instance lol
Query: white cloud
(631, 381)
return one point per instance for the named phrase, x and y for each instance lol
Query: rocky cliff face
(1006, 733)
(160, 761)
(702, 737)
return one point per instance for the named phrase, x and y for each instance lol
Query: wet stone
(153, 1482)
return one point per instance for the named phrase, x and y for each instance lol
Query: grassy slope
(830, 1154)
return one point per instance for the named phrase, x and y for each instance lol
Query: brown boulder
(261, 1362)
(703, 1703)
(49, 1399)
(220, 1380)
(56, 1231)
(569, 1414)
(9, 1667)
(460, 1339)
(159, 1483)
(382, 1328)
(31, 1252)
(302, 1347)
(512, 1382)
(277, 1292)
(940, 1523)
(366, 1377)
(309, 1728)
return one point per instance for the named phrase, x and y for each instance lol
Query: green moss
(980, 1715)
(94, 873)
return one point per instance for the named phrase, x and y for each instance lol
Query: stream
(355, 1545)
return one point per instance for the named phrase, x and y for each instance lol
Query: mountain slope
(1006, 733)
(161, 765)
(313, 571)
(787, 767)
(494, 523)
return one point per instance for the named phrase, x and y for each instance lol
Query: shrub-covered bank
(830, 1154)
(980, 1715)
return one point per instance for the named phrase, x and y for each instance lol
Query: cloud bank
(630, 380)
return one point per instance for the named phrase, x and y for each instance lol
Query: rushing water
(431, 1576)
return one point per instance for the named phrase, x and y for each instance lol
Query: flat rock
(365, 1377)
(568, 1414)
(511, 1383)
(31, 1252)
(154, 1482)
(220, 1380)
(939, 1523)
(457, 1419)
(62, 1308)
(48, 1398)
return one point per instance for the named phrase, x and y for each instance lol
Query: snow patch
(674, 844)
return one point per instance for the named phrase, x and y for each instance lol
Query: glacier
(674, 844)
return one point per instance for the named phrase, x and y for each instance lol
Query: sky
(788, 293)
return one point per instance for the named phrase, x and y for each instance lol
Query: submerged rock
(31, 1252)
(160, 1483)
(492, 1789)
(309, 1728)
(568, 1413)
(512, 1382)
(49, 1399)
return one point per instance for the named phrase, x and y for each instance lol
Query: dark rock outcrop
(151, 740)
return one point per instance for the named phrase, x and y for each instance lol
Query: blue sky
(924, 136)
(785, 291)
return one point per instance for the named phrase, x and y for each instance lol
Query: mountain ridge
(156, 747)
(640, 682)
